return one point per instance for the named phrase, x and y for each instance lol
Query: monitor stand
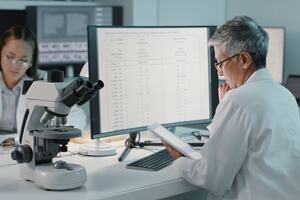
(97, 148)
(131, 143)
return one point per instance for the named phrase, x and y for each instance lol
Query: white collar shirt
(10, 97)
(254, 149)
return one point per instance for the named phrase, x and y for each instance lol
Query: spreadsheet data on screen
(153, 74)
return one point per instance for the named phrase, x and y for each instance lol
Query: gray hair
(243, 34)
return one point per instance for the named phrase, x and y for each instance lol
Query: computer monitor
(61, 31)
(293, 85)
(275, 56)
(150, 74)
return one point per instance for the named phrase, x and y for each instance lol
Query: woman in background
(18, 49)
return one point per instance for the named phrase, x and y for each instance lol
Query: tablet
(174, 141)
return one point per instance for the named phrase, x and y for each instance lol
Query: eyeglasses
(219, 65)
(18, 63)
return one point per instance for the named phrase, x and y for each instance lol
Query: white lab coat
(76, 117)
(254, 149)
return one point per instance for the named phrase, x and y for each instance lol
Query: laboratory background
(73, 36)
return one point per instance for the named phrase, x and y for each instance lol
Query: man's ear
(246, 59)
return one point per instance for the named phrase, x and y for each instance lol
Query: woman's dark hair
(19, 32)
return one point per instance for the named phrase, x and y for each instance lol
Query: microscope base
(50, 178)
(97, 148)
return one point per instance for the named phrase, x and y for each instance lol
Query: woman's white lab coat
(254, 149)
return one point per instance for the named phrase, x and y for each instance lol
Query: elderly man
(254, 149)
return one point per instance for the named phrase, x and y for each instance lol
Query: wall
(145, 12)
(178, 12)
(274, 13)
(191, 12)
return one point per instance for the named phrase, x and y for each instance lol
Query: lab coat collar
(19, 85)
(259, 75)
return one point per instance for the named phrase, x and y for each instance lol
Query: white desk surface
(107, 179)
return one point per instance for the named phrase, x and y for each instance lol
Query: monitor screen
(151, 74)
(62, 30)
(275, 56)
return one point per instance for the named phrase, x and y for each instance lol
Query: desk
(107, 179)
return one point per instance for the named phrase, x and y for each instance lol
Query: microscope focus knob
(22, 153)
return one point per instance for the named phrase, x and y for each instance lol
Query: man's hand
(222, 90)
(174, 153)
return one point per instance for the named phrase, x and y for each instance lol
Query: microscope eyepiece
(83, 89)
(96, 87)
(75, 91)
(80, 91)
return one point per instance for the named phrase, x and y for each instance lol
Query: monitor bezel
(95, 122)
(292, 76)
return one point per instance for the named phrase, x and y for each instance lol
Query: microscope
(44, 133)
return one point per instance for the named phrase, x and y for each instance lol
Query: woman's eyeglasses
(18, 63)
